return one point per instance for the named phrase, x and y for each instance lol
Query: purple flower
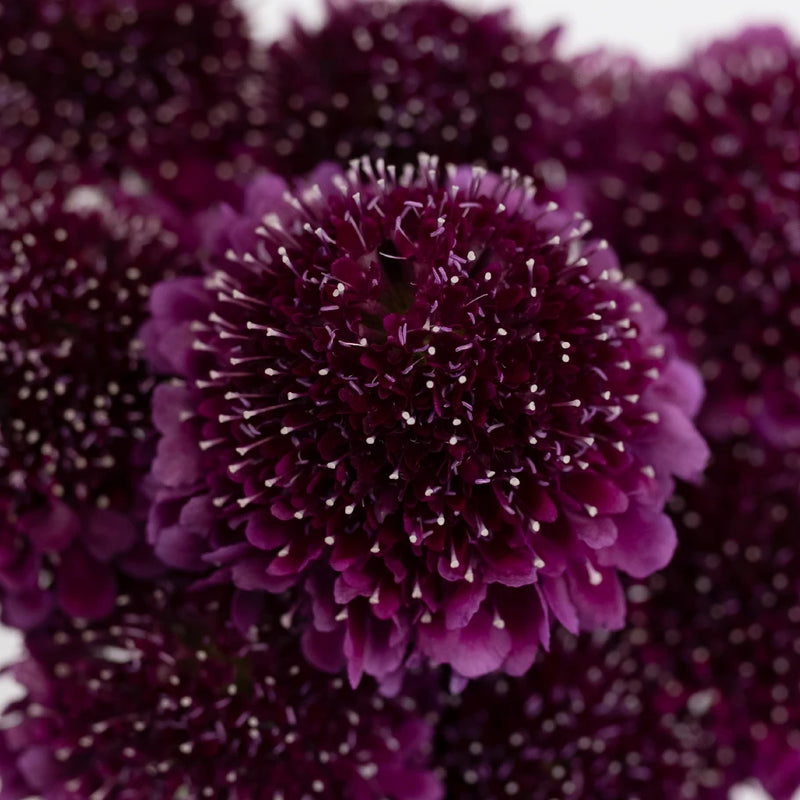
(389, 80)
(167, 698)
(429, 401)
(707, 215)
(120, 85)
(75, 434)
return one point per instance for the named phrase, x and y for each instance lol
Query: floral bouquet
(401, 410)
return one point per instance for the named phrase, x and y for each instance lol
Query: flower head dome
(706, 216)
(429, 400)
(74, 392)
(391, 80)
(114, 85)
(168, 699)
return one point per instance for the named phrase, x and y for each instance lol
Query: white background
(657, 33)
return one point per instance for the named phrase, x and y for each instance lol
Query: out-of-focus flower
(727, 609)
(698, 694)
(388, 80)
(428, 399)
(705, 211)
(602, 718)
(75, 431)
(99, 86)
(167, 698)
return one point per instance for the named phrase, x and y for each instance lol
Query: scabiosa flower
(598, 717)
(161, 88)
(707, 214)
(167, 698)
(389, 80)
(430, 401)
(75, 435)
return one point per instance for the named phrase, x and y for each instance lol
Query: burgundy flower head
(168, 699)
(74, 394)
(707, 215)
(391, 80)
(431, 402)
(599, 719)
(158, 87)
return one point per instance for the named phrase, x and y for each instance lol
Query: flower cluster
(431, 400)
(340, 458)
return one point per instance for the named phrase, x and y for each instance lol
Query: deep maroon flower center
(421, 359)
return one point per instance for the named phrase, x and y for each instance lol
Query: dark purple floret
(75, 430)
(391, 80)
(167, 698)
(162, 88)
(699, 693)
(431, 402)
(704, 209)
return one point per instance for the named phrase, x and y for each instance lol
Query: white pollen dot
(462, 379)
(514, 481)
(487, 276)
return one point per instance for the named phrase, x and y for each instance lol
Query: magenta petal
(598, 598)
(177, 461)
(594, 490)
(266, 532)
(462, 604)
(673, 445)
(179, 548)
(556, 592)
(596, 532)
(527, 623)
(645, 543)
(324, 649)
(477, 649)
(169, 400)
